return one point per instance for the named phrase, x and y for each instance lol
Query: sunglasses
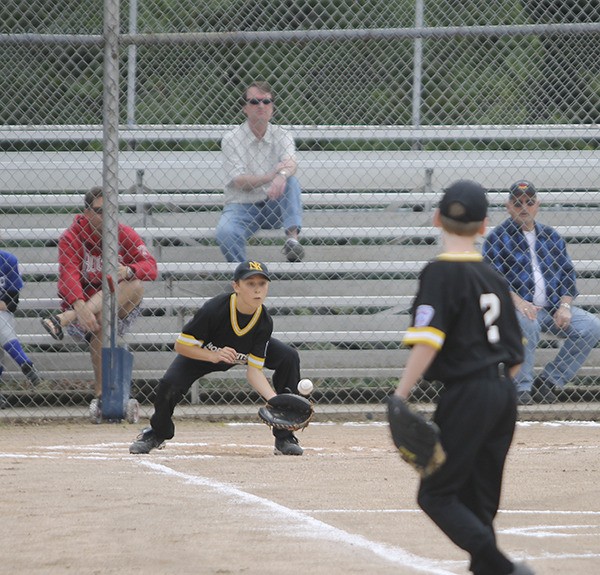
(520, 204)
(96, 209)
(257, 101)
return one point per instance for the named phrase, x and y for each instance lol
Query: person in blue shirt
(534, 260)
(11, 285)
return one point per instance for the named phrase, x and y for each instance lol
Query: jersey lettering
(490, 306)
(240, 358)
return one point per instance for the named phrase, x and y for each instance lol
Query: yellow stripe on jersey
(257, 362)
(425, 335)
(233, 317)
(186, 339)
(460, 257)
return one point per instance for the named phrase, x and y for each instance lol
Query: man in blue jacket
(534, 260)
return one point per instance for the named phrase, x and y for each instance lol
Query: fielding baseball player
(11, 284)
(465, 334)
(229, 329)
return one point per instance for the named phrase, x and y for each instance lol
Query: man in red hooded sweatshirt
(80, 280)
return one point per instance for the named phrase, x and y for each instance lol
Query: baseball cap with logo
(464, 201)
(522, 187)
(250, 268)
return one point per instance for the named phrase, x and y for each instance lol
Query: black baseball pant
(476, 420)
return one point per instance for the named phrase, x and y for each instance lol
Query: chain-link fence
(387, 103)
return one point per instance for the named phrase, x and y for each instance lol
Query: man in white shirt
(261, 191)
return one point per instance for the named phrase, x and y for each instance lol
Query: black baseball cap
(250, 268)
(522, 187)
(464, 201)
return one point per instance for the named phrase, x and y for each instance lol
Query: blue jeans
(239, 222)
(580, 338)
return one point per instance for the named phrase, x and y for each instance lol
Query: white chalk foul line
(306, 525)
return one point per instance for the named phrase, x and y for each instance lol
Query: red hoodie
(80, 260)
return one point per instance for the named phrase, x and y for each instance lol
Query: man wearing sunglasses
(534, 260)
(261, 191)
(80, 280)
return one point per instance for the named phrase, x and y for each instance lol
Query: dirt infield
(217, 501)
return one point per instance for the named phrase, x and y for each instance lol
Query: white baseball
(305, 386)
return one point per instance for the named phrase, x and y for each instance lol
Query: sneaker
(544, 391)
(95, 410)
(146, 442)
(287, 446)
(293, 250)
(522, 569)
(31, 373)
(524, 398)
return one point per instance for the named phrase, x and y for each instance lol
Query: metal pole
(110, 173)
(417, 70)
(131, 64)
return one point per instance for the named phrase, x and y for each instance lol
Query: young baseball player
(11, 285)
(229, 329)
(465, 334)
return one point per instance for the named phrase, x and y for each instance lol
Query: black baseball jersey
(218, 324)
(464, 310)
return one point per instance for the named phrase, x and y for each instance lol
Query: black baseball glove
(417, 440)
(287, 411)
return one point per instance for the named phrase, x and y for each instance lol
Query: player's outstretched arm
(256, 378)
(419, 360)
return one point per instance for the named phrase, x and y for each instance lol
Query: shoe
(287, 446)
(146, 442)
(524, 398)
(293, 250)
(3, 402)
(522, 569)
(544, 391)
(31, 373)
(52, 326)
(95, 410)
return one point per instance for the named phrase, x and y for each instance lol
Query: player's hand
(87, 319)
(122, 272)
(225, 355)
(288, 165)
(529, 310)
(277, 187)
(562, 318)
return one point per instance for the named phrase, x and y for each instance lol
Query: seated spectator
(261, 191)
(80, 280)
(534, 260)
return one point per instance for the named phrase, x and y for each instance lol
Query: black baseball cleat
(522, 569)
(31, 373)
(544, 391)
(524, 398)
(293, 250)
(146, 442)
(287, 446)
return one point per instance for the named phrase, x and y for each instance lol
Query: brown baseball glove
(287, 411)
(417, 440)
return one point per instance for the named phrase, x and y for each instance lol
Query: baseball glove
(287, 411)
(417, 440)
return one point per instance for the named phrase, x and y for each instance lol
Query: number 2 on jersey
(490, 306)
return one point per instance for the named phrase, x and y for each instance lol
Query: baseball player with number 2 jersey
(465, 334)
